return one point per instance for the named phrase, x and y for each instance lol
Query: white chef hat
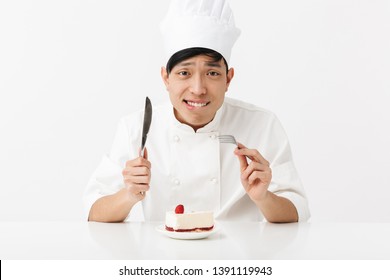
(199, 23)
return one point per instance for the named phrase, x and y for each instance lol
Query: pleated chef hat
(199, 23)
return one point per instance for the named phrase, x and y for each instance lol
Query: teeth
(196, 104)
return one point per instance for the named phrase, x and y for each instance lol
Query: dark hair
(182, 55)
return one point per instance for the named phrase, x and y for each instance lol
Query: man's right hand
(136, 176)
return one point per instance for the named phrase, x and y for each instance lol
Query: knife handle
(142, 154)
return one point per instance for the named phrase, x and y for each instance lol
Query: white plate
(187, 235)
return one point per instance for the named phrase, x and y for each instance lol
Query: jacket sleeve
(107, 178)
(285, 179)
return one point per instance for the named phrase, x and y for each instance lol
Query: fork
(227, 139)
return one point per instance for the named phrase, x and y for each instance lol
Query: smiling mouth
(196, 104)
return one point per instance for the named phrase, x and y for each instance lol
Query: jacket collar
(210, 127)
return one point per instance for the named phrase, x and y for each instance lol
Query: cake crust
(189, 230)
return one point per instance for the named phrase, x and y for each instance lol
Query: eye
(213, 74)
(183, 73)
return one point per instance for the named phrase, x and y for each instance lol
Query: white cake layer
(201, 219)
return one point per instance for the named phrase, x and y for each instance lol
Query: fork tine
(227, 139)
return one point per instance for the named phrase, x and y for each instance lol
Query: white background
(70, 69)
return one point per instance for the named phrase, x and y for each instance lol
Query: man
(184, 162)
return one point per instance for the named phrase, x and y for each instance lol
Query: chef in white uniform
(184, 161)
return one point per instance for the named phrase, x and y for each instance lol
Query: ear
(229, 77)
(165, 76)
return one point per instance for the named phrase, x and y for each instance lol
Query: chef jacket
(194, 168)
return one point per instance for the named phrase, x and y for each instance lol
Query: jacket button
(213, 180)
(177, 182)
(176, 138)
(213, 136)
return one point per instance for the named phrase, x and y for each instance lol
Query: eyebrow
(214, 64)
(208, 63)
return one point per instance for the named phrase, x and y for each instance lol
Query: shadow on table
(234, 241)
(266, 240)
(116, 239)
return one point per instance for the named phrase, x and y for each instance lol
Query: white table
(235, 240)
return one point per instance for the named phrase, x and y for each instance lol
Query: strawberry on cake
(182, 222)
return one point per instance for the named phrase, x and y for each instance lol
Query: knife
(147, 122)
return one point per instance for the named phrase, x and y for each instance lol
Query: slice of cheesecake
(184, 222)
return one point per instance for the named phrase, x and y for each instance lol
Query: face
(197, 88)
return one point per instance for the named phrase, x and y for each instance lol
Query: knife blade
(146, 123)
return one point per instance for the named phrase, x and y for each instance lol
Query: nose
(198, 86)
